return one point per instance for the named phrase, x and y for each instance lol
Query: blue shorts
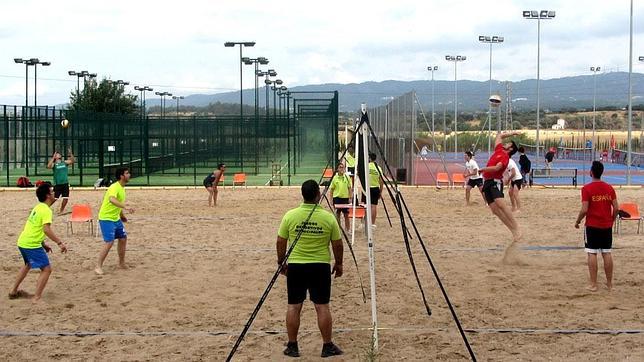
(112, 230)
(36, 258)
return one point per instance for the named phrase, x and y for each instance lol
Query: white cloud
(180, 45)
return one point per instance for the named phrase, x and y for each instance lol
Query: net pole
(370, 241)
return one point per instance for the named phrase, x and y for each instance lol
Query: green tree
(106, 96)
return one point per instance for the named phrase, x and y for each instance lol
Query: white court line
(229, 333)
(527, 248)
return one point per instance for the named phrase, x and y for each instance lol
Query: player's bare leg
(41, 283)
(608, 269)
(101, 257)
(62, 205)
(121, 251)
(22, 274)
(592, 270)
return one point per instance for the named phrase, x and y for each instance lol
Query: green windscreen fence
(286, 146)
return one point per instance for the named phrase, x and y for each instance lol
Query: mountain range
(556, 94)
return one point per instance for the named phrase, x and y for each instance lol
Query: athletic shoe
(292, 350)
(330, 349)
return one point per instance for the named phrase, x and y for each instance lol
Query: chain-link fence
(395, 126)
(299, 138)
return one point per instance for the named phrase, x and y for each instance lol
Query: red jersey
(600, 196)
(499, 155)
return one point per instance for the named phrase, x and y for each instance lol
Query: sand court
(197, 273)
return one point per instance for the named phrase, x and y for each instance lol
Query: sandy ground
(197, 273)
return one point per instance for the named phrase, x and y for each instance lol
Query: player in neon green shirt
(111, 219)
(350, 161)
(375, 186)
(308, 267)
(32, 246)
(341, 190)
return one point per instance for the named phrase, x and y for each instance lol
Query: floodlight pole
(594, 70)
(630, 100)
(455, 59)
(538, 15)
(490, 40)
(232, 44)
(431, 69)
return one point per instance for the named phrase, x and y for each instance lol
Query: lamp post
(177, 98)
(242, 44)
(80, 74)
(27, 63)
(538, 15)
(256, 61)
(487, 39)
(594, 70)
(118, 83)
(455, 59)
(432, 69)
(281, 92)
(163, 95)
(267, 82)
(143, 89)
(275, 85)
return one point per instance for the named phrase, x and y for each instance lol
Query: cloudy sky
(178, 46)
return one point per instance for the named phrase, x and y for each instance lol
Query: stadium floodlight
(31, 62)
(163, 95)
(594, 70)
(490, 39)
(432, 68)
(177, 98)
(538, 15)
(242, 44)
(455, 59)
(256, 61)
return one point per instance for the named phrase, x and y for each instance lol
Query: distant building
(561, 124)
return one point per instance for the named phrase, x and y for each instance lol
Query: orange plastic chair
(221, 180)
(81, 213)
(442, 177)
(360, 212)
(634, 215)
(239, 179)
(328, 173)
(458, 178)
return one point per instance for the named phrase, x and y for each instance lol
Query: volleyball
(64, 123)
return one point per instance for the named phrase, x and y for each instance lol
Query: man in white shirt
(472, 175)
(514, 180)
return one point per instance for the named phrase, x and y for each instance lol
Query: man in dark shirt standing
(524, 165)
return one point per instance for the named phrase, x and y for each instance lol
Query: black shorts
(314, 277)
(598, 240)
(375, 195)
(492, 190)
(61, 190)
(518, 183)
(341, 200)
(207, 184)
(475, 182)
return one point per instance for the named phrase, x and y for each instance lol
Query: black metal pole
(35, 84)
(26, 86)
(241, 108)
